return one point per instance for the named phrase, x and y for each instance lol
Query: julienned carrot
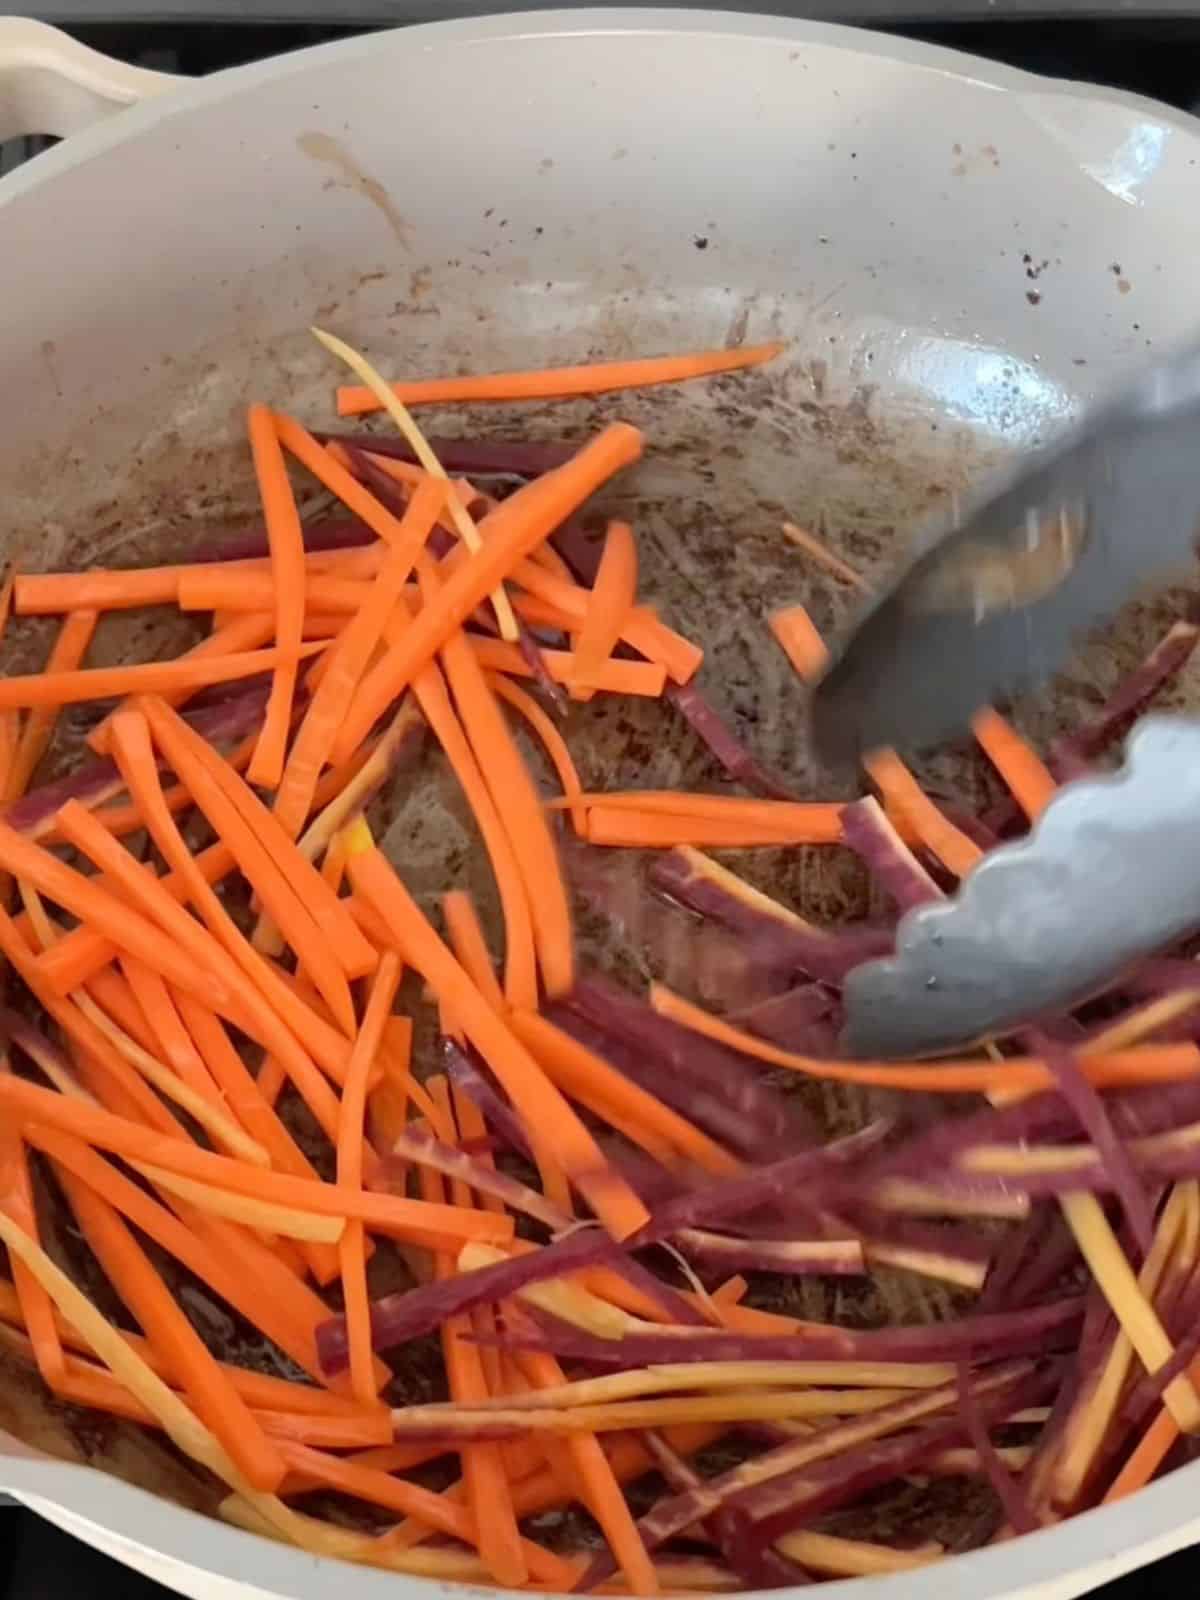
(280, 1316)
(807, 822)
(1149, 1454)
(350, 1175)
(798, 638)
(250, 1106)
(482, 1463)
(168, 1036)
(387, 1102)
(384, 1213)
(601, 1491)
(246, 594)
(250, 1011)
(903, 796)
(1029, 780)
(520, 965)
(152, 677)
(614, 676)
(1142, 1065)
(279, 894)
(470, 946)
(288, 578)
(90, 902)
(556, 383)
(587, 1077)
(642, 628)
(16, 1199)
(536, 1099)
(259, 1389)
(250, 632)
(552, 740)
(666, 830)
(520, 808)
(348, 660)
(613, 594)
(172, 1335)
(68, 652)
(510, 532)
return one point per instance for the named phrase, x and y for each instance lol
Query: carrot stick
(797, 636)
(613, 594)
(250, 632)
(16, 1199)
(601, 1490)
(665, 830)
(809, 822)
(256, 1114)
(169, 1331)
(578, 1071)
(520, 967)
(614, 676)
(1152, 1449)
(510, 532)
(152, 677)
(470, 946)
(1143, 1064)
(903, 796)
(482, 1462)
(456, 507)
(538, 1102)
(387, 1102)
(520, 809)
(350, 1176)
(552, 741)
(1029, 779)
(168, 1034)
(249, 1010)
(230, 815)
(70, 647)
(556, 383)
(90, 902)
(245, 594)
(348, 660)
(288, 578)
(641, 629)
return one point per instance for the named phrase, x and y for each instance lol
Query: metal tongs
(992, 604)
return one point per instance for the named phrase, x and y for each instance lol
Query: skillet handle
(51, 84)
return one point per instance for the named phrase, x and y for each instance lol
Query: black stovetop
(1149, 46)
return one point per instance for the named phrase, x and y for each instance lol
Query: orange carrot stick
(510, 532)
(169, 1038)
(1141, 1064)
(350, 1176)
(903, 795)
(216, 1401)
(665, 830)
(288, 578)
(613, 594)
(35, 1305)
(152, 677)
(70, 647)
(579, 1072)
(324, 957)
(556, 383)
(538, 1102)
(808, 821)
(1026, 774)
(86, 899)
(482, 1463)
(1152, 1449)
(444, 1228)
(470, 946)
(520, 808)
(520, 968)
(552, 741)
(348, 660)
(250, 1010)
(798, 638)
(614, 676)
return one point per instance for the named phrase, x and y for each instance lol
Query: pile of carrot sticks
(580, 1178)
